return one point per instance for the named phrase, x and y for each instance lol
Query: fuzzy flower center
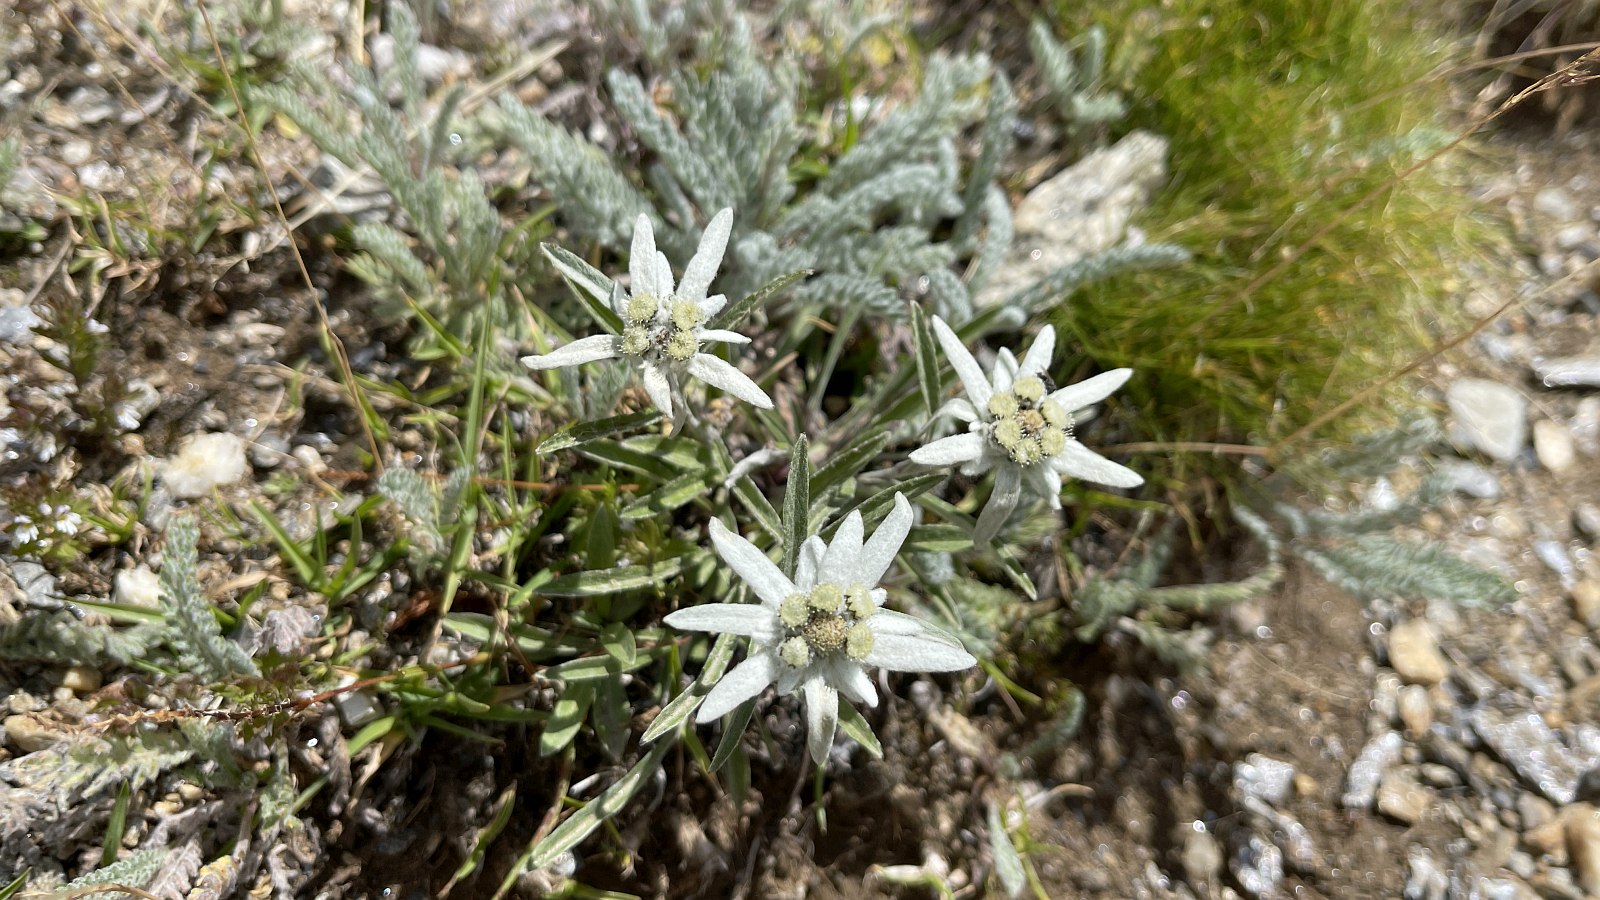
(1027, 424)
(662, 328)
(824, 622)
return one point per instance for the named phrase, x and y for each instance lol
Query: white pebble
(205, 462)
(138, 587)
(1553, 444)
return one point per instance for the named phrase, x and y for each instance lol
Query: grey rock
(1079, 212)
(1467, 477)
(1202, 858)
(1554, 202)
(17, 324)
(1291, 837)
(1533, 749)
(1265, 778)
(1401, 797)
(1554, 446)
(1491, 416)
(1258, 866)
(1554, 555)
(1574, 235)
(1585, 426)
(38, 586)
(1569, 371)
(1381, 752)
(1426, 880)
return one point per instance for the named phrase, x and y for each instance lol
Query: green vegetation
(1282, 116)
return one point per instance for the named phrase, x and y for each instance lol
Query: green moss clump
(1282, 115)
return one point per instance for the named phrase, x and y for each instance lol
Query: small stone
(1569, 371)
(1381, 752)
(1534, 810)
(1263, 777)
(1585, 426)
(1471, 479)
(1202, 858)
(167, 807)
(1414, 653)
(28, 734)
(1490, 416)
(1586, 602)
(1305, 785)
(1401, 797)
(81, 679)
(1554, 202)
(1582, 822)
(1436, 775)
(1416, 710)
(1426, 880)
(76, 152)
(1553, 444)
(1574, 236)
(138, 587)
(205, 462)
(188, 790)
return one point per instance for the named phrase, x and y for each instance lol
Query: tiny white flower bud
(826, 598)
(1029, 389)
(859, 601)
(858, 641)
(794, 611)
(1002, 405)
(795, 652)
(642, 308)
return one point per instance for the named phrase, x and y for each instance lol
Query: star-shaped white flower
(818, 631)
(1019, 424)
(664, 325)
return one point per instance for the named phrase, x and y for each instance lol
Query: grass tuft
(1273, 137)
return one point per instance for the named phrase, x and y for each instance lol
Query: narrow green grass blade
(796, 505)
(115, 826)
(1007, 862)
(582, 823)
(480, 846)
(583, 432)
(938, 539)
(684, 705)
(847, 463)
(671, 495)
(875, 507)
(852, 724)
(567, 718)
(927, 359)
(759, 507)
(733, 735)
(297, 557)
(593, 288)
(734, 314)
(610, 581)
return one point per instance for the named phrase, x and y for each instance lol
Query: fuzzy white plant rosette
(1021, 427)
(664, 323)
(820, 630)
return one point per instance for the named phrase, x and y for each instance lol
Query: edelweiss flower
(1021, 425)
(818, 631)
(664, 326)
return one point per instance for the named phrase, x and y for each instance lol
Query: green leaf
(671, 495)
(614, 454)
(796, 505)
(611, 716)
(593, 288)
(852, 724)
(502, 815)
(684, 705)
(594, 668)
(618, 640)
(1007, 862)
(16, 885)
(847, 463)
(938, 539)
(875, 507)
(738, 721)
(734, 314)
(582, 823)
(583, 432)
(759, 507)
(567, 717)
(926, 358)
(610, 581)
